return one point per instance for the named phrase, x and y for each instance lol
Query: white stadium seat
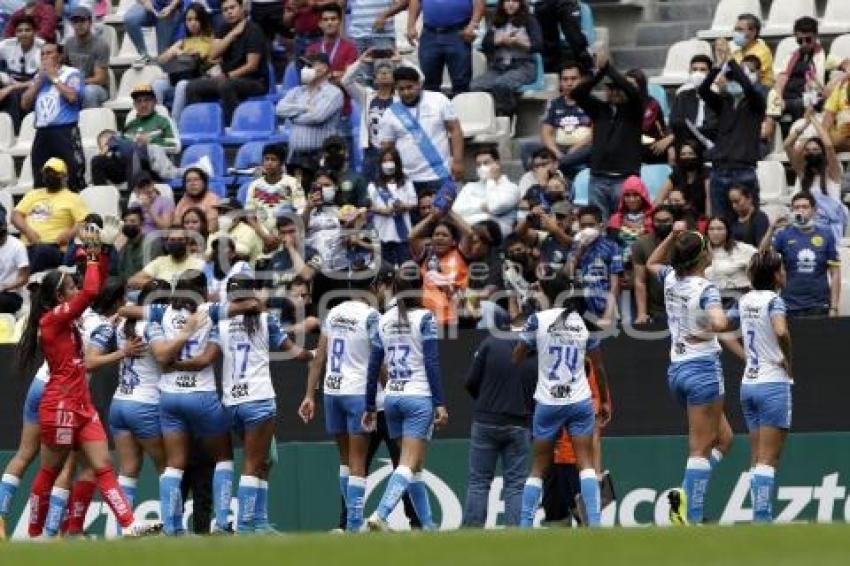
(783, 14)
(479, 66)
(128, 53)
(117, 16)
(7, 131)
(725, 16)
(25, 181)
(132, 77)
(783, 53)
(8, 203)
(7, 170)
(102, 199)
(677, 65)
(772, 181)
(23, 144)
(111, 36)
(840, 48)
(476, 112)
(92, 122)
(836, 17)
(164, 189)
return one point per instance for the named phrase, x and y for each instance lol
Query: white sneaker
(141, 61)
(376, 524)
(142, 529)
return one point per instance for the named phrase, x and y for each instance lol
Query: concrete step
(643, 57)
(666, 33)
(683, 11)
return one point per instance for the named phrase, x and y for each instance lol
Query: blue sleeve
(218, 312)
(103, 337)
(154, 313)
(831, 250)
(376, 359)
(214, 336)
(776, 307)
(529, 332)
(277, 337)
(616, 259)
(593, 344)
(587, 24)
(153, 332)
(779, 241)
(710, 298)
(663, 272)
(431, 356)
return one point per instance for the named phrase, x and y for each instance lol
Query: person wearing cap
(164, 15)
(20, 59)
(14, 268)
(43, 14)
(313, 109)
(55, 95)
(157, 210)
(49, 217)
(242, 226)
(274, 188)
(551, 233)
(89, 53)
(243, 51)
(149, 126)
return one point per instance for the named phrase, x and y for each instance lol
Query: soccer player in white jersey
(563, 399)
(342, 355)
(406, 338)
(248, 394)
(695, 317)
(27, 447)
(766, 383)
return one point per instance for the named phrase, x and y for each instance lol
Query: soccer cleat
(228, 530)
(266, 529)
(142, 529)
(606, 489)
(678, 506)
(579, 511)
(376, 524)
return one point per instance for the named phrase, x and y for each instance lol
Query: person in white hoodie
(492, 197)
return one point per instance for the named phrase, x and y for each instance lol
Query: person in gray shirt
(88, 52)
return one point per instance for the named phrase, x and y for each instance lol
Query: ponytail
(43, 300)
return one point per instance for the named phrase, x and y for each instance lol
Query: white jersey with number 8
(348, 328)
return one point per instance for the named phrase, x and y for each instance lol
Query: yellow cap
(57, 165)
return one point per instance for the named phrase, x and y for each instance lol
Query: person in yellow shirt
(746, 41)
(836, 116)
(252, 238)
(169, 267)
(49, 217)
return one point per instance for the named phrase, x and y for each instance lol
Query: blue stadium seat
(273, 95)
(581, 188)
(291, 78)
(253, 120)
(218, 187)
(194, 153)
(658, 93)
(250, 155)
(654, 177)
(539, 79)
(242, 194)
(201, 123)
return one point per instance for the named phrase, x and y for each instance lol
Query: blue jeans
(487, 444)
(94, 96)
(166, 28)
(449, 49)
(604, 192)
(164, 90)
(722, 180)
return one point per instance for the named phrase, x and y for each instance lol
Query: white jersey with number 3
(765, 360)
(402, 342)
(246, 375)
(561, 344)
(349, 328)
(166, 324)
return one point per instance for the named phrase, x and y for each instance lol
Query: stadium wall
(812, 485)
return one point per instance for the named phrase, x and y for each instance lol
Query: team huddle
(378, 358)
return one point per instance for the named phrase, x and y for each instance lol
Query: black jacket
(686, 107)
(617, 129)
(503, 392)
(738, 127)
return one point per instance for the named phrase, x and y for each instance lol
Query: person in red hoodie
(633, 217)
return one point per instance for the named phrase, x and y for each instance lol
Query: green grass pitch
(807, 545)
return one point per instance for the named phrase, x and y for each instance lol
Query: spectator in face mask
(690, 116)
(353, 186)
(649, 293)
(130, 244)
(14, 268)
(810, 255)
(49, 217)
(740, 108)
(746, 41)
(492, 197)
(391, 198)
(690, 175)
(169, 267)
(196, 194)
(223, 263)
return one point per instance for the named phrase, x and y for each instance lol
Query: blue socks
(419, 497)
(56, 511)
(249, 488)
(344, 472)
(761, 483)
(590, 494)
(261, 511)
(8, 487)
(222, 492)
(530, 499)
(697, 474)
(128, 486)
(354, 501)
(396, 486)
(171, 501)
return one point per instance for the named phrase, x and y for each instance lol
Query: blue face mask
(734, 88)
(739, 38)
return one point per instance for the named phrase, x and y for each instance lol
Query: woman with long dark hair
(695, 318)
(729, 261)
(406, 337)
(391, 198)
(510, 43)
(67, 416)
(690, 175)
(197, 195)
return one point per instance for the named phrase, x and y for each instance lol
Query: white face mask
(308, 75)
(328, 194)
(754, 77)
(388, 167)
(483, 172)
(696, 78)
(225, 223)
